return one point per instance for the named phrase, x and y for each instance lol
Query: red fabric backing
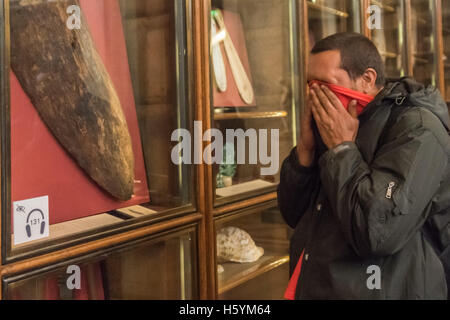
(39, 164)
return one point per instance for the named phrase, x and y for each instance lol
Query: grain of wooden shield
(67, 82)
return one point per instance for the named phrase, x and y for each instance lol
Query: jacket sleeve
(382, 205)
(297, 186)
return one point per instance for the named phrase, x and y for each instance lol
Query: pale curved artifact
(217, 59)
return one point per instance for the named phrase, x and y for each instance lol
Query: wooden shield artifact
(63, 75)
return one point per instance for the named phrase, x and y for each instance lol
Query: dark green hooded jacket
(362, 207)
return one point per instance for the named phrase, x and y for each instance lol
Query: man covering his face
(367, 188)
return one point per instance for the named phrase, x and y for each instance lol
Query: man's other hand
(306, 145)
(335, 124)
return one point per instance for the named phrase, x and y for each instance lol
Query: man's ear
(367, 81)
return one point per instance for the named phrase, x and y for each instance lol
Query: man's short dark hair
(357, 54)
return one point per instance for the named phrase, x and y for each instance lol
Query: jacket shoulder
(415, 120)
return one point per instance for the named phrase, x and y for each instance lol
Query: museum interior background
(89, 107)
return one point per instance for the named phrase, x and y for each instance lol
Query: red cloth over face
(346, 95)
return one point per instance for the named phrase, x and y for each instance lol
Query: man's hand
(306, 145)
(335, 124)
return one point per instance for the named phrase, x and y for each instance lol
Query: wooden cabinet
(119, 76)
(179, 70)
(264, 35)
(255, 96)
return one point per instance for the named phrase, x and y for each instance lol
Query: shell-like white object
(220, 269)
(234, 244)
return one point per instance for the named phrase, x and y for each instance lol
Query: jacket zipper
(389, 190)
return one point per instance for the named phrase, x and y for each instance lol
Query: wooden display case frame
(206, 212)
(104, 253)
(94, 244)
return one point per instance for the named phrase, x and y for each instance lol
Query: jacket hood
(416, 94)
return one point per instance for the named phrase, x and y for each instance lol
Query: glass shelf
(251, 245)
(236, 274)
(250, 115)
(326, 17)
(324, 9)
(386, 5)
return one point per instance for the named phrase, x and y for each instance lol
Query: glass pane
(250, 247)
(326, 17)
(163, 269)
(389, 39)
(423, 41)
(446, 37)
(255, 93)
(100, 87)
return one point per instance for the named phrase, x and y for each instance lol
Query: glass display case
(98, 94)
(446, 48)
(326, 17)
(250, 246)
(255, 95)
(162, 268)
(98, 89)
(390, 37)
(423, 44)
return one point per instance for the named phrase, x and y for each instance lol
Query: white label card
(30, 219)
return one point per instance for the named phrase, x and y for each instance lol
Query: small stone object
(236, 245)
(227, 169)
(220, 269)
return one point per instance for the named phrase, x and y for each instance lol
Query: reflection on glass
(423, 42)
(250, 247)
(389, 39)
(162, 270)
(326, 17)
(255, 92)
(99, 89)
(446, 37)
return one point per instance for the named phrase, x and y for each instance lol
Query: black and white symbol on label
(30, 219)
